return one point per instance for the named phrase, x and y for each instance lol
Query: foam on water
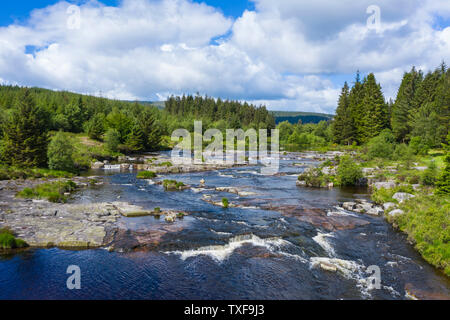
(222, 252)
(321, 240)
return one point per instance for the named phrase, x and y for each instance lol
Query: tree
(348, 174)
(401, 112)
(25, 137)
(150, 129)
(136, 139)
(112, 140)
(60, 153)
(356, 109)
(375, 114)
(95, 127)
(343, 131)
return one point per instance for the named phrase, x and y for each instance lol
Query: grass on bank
(427, 223)
(52, 191)
(8, 241)
(13, 173)
(146, 175)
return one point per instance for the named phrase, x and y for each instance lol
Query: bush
(225, 203)
(405, 153)
(382, 146)
(112, 140)
(429, 176)
(60, 153)
(348, 173)
(146, 175)
(443, 183)
(8, 241)
(172, 185)
(315, 178)
(419, 146)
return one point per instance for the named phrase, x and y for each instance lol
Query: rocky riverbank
(77, 226)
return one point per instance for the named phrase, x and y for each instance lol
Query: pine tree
(404, 104)
(356, 108)
(136, 140)
(375, 117)
(150, 129)
(343, 124)
(25, 137)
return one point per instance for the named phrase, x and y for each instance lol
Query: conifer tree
(375, 113)
(25, 137)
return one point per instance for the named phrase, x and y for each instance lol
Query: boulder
(349, 206)
(301, 183)
(97, 165)
(402, 196)
(389, 205)
(396, 212)
(375, 211)
(368, 171)
(385, 185)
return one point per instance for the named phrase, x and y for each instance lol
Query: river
(268, 247)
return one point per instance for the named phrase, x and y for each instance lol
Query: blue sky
(287, 54)
(18, 10)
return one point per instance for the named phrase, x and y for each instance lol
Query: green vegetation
(8, 241)
(427, 223)
(60, 153)
(12, 173)
(349, 174)
(170, 185)
(52, 191)
(225, 203)
(146, 175)
(314, 177)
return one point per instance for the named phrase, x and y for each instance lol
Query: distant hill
(306, 117)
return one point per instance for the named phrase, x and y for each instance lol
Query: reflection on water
(244, 252)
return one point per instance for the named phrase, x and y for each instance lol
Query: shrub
(146, 175)
(429, 176)
(382, 146)
(8, 241)
(314, 177)
(419, 146)
(225, 203)
(172, 185)
(443, 184)
(348, 173)
(112, 140)
(60, 153)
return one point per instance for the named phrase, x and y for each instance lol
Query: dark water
(235, 253)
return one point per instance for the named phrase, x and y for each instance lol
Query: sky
(292, 55)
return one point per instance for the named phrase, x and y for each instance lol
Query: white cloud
(280, 55)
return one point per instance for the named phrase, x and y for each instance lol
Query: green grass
(225, 203)
(427, 223)
(383, 195)
(146, 175)
(53, 191)
(172, 185)
(8, 241)
(13, 173)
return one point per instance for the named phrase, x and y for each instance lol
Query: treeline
(29, 115)
(420, 113)
(220, 114)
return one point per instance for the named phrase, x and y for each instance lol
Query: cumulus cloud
(280, 55)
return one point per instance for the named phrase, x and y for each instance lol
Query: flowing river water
(268, 247)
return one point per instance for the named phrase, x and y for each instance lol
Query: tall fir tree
(25, 137)
(404, 105)
(356, 107)
(375, 111)
(343, 123)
